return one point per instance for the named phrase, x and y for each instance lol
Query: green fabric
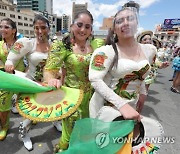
(5, 100)
(77, 68)
(5, 97)
(92, 136)
(3, 57)
(30, 108)
(12, 83)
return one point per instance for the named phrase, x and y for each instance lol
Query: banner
(171, 22)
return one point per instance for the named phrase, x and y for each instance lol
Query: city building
(66, 21)
(36, 5)
(100, 34)
(78, 7)
(49, 6)
(107, 23)
(169, 31)
(23, 20)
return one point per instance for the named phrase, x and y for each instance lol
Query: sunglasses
(121, 20)
(5, 27)
(80, 25)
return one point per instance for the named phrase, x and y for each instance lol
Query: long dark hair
(112, 38)
(42, 18)
(13, 25)
(67, 40)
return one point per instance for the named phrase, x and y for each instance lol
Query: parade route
(162, 105)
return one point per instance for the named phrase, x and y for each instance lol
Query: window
(12, 16)
(2, 14)
(32, 32)
(26, 32)
(20, 31)
(11, 8)
(19, 17)
(20, 23)
(175, 38)
(25, 18)
(25, 24)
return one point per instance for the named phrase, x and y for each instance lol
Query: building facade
(78, 7)
(24, 21)
(36, 5)
(66, 21)
(24, 18)
(169, 31)
(107, 23)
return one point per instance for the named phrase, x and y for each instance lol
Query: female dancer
(117, 71)
(36, 50)
(147, 37)
(8, 31)
(73, 54)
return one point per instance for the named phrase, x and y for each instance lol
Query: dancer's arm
(101, 62)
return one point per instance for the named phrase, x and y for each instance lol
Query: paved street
(162, 105)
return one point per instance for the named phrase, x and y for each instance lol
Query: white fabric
(153, 133)
(34, 57)
(105, 81)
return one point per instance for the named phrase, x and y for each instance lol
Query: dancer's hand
(54, 83)
(164, 64)
(129, 113)
(140, 103)
(9, 68)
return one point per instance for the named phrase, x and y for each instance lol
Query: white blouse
(104, 78)
(36, 59)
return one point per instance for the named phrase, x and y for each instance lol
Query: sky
(152, 12)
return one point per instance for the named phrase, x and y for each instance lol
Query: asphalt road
(162, 105)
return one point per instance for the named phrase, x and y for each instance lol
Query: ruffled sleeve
(20, 48)
(100, 64)
(97, 42)
(56, 56)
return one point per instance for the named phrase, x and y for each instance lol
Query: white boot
(23, 130)
(57, 125)
(14, 99)
(27, 142)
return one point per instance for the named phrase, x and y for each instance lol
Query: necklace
(82, 48)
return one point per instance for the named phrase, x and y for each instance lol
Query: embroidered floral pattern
(123, 82)
(98, 61)
(17, 47)
(39, 70)
(81, 58)
(148, 148)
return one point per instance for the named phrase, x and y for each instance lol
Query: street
(162, 105)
